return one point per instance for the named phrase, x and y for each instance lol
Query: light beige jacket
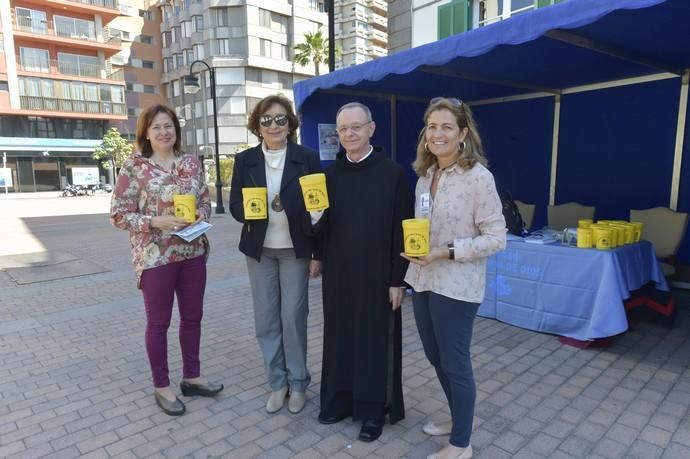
(467, 211)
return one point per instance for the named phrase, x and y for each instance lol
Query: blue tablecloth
(567, 291)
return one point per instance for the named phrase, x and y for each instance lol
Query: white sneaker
(436, 429)
(452, 452)
(296, 402)
(276, 400)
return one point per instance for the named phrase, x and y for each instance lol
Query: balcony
(378, 6)
(46, 31)
(378, 38)
(108, 9)
(54, 104)
(54, 66)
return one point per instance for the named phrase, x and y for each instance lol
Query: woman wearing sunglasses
(280, 257)
(457, 193)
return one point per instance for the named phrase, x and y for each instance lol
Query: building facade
(67, 74)
(249, 44)
(361, 31)
(417, 22)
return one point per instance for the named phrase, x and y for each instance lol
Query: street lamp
(191, 86)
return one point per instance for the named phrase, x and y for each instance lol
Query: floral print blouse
(468, 213)
(144, 190)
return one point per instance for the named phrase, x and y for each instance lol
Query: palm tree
(314, 48)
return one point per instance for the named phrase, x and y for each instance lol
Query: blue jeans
(279, 286)
(445, 327)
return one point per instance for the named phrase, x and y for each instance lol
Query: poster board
(84, 176)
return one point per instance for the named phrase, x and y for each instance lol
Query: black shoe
(332, 419)
(205, 390)
(371, 430)
(171, 407)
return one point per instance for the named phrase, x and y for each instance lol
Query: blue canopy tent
(581, 101)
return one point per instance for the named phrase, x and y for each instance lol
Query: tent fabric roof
(572, 43)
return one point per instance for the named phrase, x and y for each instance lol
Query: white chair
(566, 215)
(526, 212)
(665, 229)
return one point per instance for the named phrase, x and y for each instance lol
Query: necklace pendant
(276, 205)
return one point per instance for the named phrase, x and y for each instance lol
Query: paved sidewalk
(74, 381)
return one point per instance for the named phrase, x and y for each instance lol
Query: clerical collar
(371, 149)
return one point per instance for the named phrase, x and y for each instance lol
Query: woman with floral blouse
(456, 192)
(165, 264)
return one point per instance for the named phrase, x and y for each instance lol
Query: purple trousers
(187, 279)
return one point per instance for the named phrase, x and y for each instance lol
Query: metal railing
(44, 27)
(71, 105)
(110, 4)
(28, 64)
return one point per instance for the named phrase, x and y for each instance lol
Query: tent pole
(680, 137)
(394, 128)
(554, 149)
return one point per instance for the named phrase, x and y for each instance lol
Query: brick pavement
(74, 381)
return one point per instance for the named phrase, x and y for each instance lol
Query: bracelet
(451, 251)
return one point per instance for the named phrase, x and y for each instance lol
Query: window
(166, 37)
(453, 18)
(179, 60)
(31, 20)
(198, 23)
(34, 59)
(188, 56)
(146, 15)
(317, 5)
(146, 39)
(222, 17)
(147, 64)
(129, 86)
(198, 51)
(186, 29)
(224, 47)
(121, 34)
(69, 27)
(167, 64)
(176, 34)
(149, 89)
(264, 47)
(274, 21)
(77, 64)
(264, 18)
(131, 112)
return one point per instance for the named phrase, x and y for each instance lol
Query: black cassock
(362, 241)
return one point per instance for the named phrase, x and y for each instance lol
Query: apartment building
(361, 30)
(417, 22)
(68, 72)
(249, 44)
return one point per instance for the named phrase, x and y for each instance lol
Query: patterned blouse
(467, 212)
(144, 190)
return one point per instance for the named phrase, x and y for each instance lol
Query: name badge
(425, 203)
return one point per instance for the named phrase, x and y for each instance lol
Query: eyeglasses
(356, 128)
(267, 120)
(452, 100)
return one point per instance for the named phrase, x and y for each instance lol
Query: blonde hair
(471, 151)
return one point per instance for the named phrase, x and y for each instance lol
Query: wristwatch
(451, 251)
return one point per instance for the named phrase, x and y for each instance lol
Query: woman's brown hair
(471, 151)
(261, 108)
(144, 122)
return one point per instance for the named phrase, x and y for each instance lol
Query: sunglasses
(452, 100)
(267, 120)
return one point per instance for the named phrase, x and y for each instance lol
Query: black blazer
(249, 171)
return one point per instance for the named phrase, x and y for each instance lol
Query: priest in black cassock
(362, 279)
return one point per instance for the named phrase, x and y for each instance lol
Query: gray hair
(355, 105)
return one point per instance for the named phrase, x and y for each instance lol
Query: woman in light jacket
(456, 192)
